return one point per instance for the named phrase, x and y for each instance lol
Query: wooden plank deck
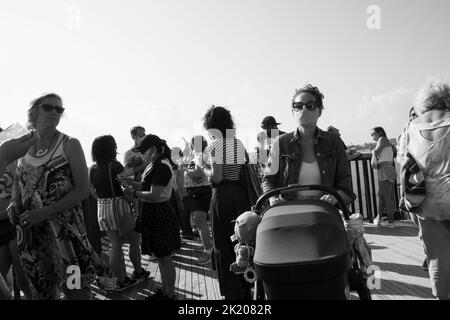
(398, 253)
(193, 282)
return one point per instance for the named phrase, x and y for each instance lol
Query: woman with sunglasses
(308, 155)
(50, 183)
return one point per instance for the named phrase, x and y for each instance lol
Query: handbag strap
(111, 186)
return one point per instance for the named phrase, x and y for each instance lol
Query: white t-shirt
(309, 174)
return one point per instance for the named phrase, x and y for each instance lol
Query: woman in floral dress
(51, 181)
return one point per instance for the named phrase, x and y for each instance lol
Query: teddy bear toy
(245, 233)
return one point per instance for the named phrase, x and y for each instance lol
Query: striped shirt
(230, 153)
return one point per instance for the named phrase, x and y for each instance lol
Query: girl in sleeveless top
(384, 153)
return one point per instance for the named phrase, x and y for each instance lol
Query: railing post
(358, 185)
(352, 205)
(374, 193)
(367, 190)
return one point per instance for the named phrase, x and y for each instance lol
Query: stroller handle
(297, 187)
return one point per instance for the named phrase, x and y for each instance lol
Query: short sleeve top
(158, 173)
(230, 153)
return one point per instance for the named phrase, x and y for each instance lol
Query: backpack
(413, 184)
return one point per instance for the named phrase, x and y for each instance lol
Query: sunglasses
(298, 106)
(49, 108)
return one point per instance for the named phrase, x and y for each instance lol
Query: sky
(162, 63)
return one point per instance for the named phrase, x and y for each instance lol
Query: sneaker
(376, 221)
(156, 295)
(125, 284)
(141, 275)
(204, 259)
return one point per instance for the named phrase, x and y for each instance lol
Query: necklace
(42, 152)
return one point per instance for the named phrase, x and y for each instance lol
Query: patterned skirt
(158, 225)
(55, 246)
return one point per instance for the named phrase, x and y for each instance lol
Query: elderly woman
(429, 144)
(226, 156)
(308, 155)
(383, 161)
(51, 181)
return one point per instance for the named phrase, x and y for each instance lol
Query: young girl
(103, 177)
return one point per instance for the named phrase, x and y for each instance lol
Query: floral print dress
(49, 247)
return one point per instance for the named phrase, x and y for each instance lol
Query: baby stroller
(302, 250)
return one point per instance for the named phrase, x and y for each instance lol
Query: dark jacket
(285, 160)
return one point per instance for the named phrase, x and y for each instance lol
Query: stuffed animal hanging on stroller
(245, 232)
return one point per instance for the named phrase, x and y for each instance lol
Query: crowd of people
(160, 195)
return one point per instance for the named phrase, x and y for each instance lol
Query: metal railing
(365, 186)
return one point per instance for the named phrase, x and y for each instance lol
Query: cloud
(385, 103)
(388, 110)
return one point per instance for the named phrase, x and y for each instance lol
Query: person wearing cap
(265, 138)
(157, 222)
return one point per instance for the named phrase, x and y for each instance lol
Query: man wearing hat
(265, 138)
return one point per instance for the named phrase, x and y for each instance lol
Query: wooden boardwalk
(193, 282)
(398, 253)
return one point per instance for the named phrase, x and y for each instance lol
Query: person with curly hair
(229, 199)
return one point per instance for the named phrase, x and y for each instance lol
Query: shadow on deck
(397, 252)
